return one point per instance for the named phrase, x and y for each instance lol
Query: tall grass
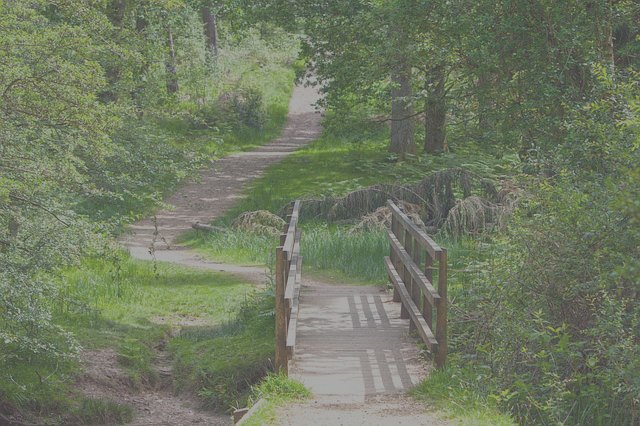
(235, 246)
(221, 363)
(357, 256)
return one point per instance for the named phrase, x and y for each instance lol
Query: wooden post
(282, 359)
(427, 311)
(408, 279)
(441, 313)
(416, 260)
(392, 255)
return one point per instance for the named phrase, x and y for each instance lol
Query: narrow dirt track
(220, 187)
(208, 197)
(354, 351)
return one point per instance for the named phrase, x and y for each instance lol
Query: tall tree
(171, 63)
(210, 29)
(435, 111)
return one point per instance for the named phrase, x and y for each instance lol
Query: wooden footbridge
(354, 343)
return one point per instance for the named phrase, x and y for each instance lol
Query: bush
(565, 339)
(557, 312)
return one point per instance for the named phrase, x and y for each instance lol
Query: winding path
(208, 197)
(218, 189)
(354, 352)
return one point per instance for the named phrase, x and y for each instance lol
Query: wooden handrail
(418, 276)
(288, 280)
(425, 241)
(415, 314)
(413, 283)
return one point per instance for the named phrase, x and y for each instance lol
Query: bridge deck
(352, 345)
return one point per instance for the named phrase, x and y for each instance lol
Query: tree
(210, 30)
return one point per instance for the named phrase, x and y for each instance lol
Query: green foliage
(275, 390)
(464, 392)
(564, 341)
(357, 256)
(91, 140)
(220, 364)
(100, 412)
(555, 313)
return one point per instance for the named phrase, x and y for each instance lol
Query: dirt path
(216, 190)
(220, 186)
(354, 352)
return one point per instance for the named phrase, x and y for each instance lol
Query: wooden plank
(250, 412)
(299, 271)
(394, 259)
(291, 278)
(427, 288)
(427, 309)
(441, 313)
(411, 284)
(281, 358)
(415, 256)
(293, 322)
(292, 228)
(425, 241)
(421, 325)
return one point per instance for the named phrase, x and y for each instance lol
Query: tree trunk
(485, 102)
(607, 39)
(435, 111)
(116, 12)
(172, 77)
(402, 112)
(210, 30)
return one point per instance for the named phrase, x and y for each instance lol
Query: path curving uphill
(217, 189)
(354, 351)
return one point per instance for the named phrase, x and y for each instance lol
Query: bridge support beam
(282, 358)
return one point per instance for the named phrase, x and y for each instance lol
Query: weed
(279, 387)
(461, 391)
(101, 412)
(275, 390)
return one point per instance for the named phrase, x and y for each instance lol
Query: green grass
(134, 305)
(334, 251)
(130, 306)
(235, 246)
(275, 390)
(460, 392)
(99, 412)
(133, 292)
(221, 363)
(334, 166)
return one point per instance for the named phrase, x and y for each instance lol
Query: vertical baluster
(282, 359)
(427, 311)
(441, 313)
(408, 280)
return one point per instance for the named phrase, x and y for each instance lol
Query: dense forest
(108, 105)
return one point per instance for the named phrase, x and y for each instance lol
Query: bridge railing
(412, 280)
(287, 280)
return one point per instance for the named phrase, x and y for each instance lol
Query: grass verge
(130, 306)
(334, 166)
(454, 391)
(221, 363)
(276, 390)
